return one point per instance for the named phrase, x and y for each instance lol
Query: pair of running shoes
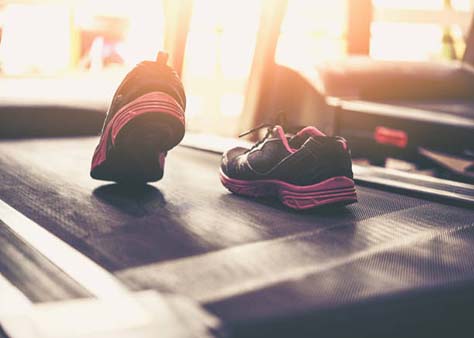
(146, 120)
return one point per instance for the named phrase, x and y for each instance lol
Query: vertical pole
(469, 53)
(263, 60)
(75, 40)
(177, 21)
(448, 50)
(359, 20)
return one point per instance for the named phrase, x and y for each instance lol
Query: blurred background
(243, 62)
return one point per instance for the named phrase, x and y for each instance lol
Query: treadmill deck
(250, 262)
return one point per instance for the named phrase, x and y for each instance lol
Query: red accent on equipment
(394, 137)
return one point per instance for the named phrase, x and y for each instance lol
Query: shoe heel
(140, 134)
(153, 116)
(337, 190)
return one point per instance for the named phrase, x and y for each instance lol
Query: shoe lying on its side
(144, 121)
(304, 171)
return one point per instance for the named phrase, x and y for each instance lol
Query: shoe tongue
(296, 141)
(291, 142)
(303, 135)
(278, 132)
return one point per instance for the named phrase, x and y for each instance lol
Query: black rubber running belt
(260, 267)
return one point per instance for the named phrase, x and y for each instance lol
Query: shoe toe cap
(229, 158)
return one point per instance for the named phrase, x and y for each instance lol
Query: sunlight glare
(219, 54)
(144, 36)
(405, 41)
(312, 32)
(40, 46)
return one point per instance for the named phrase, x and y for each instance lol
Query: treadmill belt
(249, 261)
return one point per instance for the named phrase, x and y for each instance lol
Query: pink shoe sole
(336, 190)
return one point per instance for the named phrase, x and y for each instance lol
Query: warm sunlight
(42, 46)
(316, 31)
(64, 34)
(312, 32)
(142, 33)
(133, 32)
(218, 58)
(90, 37)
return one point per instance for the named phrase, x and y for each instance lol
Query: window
(218, 59)
(420, 30)
(311, 32)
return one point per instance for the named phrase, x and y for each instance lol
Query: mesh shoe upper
(147, 76)
(304, 159)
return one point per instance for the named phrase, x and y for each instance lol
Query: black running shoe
(304, 171)
(144, 121)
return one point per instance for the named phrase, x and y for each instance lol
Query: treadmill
(407, 110)
(185, 258)
(421, 112)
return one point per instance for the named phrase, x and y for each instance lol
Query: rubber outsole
(338, 190)
(134, 143)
